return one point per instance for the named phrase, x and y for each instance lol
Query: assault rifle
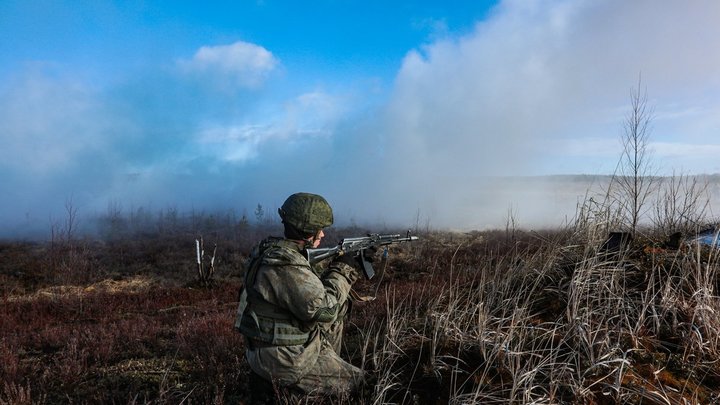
(357, 246)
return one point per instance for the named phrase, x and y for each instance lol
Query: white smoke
(536, 88)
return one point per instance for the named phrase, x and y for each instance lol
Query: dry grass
(494, 317)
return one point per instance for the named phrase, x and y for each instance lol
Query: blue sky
(230, 104)
(325, 40)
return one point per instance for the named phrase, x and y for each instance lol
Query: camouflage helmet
(306, 212)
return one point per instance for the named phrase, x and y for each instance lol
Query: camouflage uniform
(293, 319)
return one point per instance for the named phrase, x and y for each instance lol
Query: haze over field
(392, 111)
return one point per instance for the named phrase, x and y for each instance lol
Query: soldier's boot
(261, 391)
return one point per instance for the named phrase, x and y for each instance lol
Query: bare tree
(65, 232)
(71, 220)
(635, 178)
(682, 204)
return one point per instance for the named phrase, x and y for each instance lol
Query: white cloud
(48, 122)
(238, 65)
(490, 101)
(588, 147)
(234, 143)
(314, 113)
(310, 115)
(688, 151)
(543, 87)
(539, 86)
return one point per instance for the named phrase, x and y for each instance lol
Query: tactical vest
(263, 321)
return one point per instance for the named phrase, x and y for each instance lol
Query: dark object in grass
(616, 242)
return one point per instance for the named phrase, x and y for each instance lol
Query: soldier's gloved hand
(348, 265)
(370, 253)
(351, 259)
(354, 260)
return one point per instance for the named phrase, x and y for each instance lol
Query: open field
(492, 317)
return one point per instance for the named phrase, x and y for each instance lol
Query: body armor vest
(259, 319)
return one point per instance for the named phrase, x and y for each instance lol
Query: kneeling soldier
(291, 314)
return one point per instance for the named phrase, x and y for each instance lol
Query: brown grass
(494, 317)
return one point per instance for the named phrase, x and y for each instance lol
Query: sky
(394, 111)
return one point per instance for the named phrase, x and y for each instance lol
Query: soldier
(292, 314)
